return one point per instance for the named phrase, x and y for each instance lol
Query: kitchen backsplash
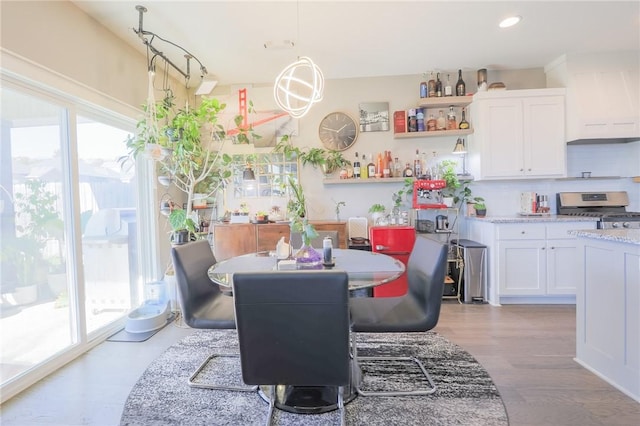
(503, 197)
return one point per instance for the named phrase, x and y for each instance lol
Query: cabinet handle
(522, 170)
(544, 248)
(529, 169)
(522, 232)
(552, 247)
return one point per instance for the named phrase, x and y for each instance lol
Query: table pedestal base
(312, 399)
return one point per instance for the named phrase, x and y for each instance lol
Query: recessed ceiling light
(510, 21)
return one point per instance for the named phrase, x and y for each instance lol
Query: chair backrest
(296, 239)
(426, 271)
(293, 327)
(191, 261)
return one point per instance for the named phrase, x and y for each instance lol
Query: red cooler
(397, 242)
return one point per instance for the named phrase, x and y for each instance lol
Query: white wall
(402, 92)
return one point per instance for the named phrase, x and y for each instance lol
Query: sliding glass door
(68, 247)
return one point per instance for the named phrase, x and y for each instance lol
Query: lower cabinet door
(561, 273)
(522, 267)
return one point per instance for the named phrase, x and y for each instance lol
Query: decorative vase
(308, 258)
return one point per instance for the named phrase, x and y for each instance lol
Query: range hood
(600, 141)
(602, 96)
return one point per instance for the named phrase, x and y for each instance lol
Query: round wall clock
(338, 131)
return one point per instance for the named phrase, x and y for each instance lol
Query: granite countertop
(533, 219)
(630, 236)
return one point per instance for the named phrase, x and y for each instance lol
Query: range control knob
(615, 225)
(626, 225)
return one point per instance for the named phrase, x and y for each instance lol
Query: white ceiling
(372, 38)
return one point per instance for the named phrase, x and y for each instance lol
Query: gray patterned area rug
(466, 394)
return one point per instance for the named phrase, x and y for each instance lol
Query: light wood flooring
(528, 350)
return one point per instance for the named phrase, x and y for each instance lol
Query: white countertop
(630, 236)
(533, 219)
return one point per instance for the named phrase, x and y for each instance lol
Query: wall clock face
(338, 131)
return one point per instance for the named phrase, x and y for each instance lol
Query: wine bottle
(438, 86)
(448, 90)
(464, 124)
(460, 86)
(356, 167)
(364, 169)
(372, 167)
(423, 89)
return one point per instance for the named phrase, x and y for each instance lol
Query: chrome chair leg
(272, 405)
(195, 384)
(341, 410)
(426, 391)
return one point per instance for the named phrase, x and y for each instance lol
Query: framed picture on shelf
(374, 117)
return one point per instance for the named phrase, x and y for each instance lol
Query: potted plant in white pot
(377, 211)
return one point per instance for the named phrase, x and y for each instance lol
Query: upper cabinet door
(502, 153)
(544, 145)
(519, 134)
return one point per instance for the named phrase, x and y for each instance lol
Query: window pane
(107, 203)
(35, 315)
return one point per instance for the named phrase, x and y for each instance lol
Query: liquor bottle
(412, 125)
(408, 171)
(364, 169)
(460, 86)
(372, 167)
(438, 86)
(420, 119)
(431, 86)
(379, 166)
(386, 167)
(431, 123)
(464, 124)
(397, 168)
(417, 165)
(441, 122)
(451, 119)
(448, 90)
(356, 167)
(423, 89)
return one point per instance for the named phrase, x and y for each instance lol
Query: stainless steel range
(610, 207)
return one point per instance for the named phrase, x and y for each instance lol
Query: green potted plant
(334, 160)
(189, 137)
(297, 207)
(327, 160)
(399, 197)
(377, 211)
(37, 222)
(449, 175)
(183, 227)
(479, 206)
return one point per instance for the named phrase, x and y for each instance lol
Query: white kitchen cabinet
(602, 97)
(530, 262)
(518, 134)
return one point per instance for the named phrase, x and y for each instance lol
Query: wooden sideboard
(231, 240)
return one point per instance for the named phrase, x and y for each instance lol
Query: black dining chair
(416, 311)
(293, 330)
(202, 303)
